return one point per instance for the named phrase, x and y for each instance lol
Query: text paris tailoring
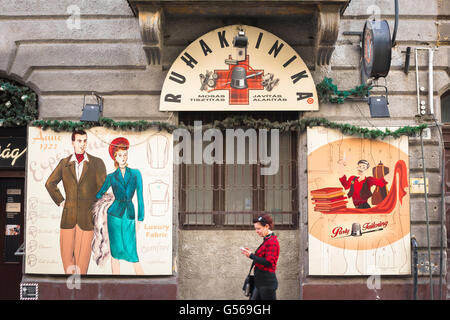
(207, 48)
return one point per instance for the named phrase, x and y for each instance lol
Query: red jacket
(266, 257)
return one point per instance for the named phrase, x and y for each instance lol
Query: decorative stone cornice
(151, 22)
(326, 19)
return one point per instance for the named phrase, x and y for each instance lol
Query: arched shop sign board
(239, 68)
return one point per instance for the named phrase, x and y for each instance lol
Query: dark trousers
(264, 293)
(364, 205)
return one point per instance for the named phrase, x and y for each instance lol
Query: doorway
(11, 236)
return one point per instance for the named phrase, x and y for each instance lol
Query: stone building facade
(66, 49)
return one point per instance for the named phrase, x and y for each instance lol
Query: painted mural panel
(106, 212)
(358, 205)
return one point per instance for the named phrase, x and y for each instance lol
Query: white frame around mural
(154, 235)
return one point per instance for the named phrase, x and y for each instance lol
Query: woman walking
(265, 259)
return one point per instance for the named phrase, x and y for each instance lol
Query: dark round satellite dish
(376, 49)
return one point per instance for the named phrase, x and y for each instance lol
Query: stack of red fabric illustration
(328, 199)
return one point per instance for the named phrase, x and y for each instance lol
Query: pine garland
(18, 107)
(328, 92)
(69, 126)
(244, 122)
(18, 104)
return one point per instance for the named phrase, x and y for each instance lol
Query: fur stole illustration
(100, 242)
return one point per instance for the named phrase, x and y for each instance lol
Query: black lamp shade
(378, 106)
(240, 41)
(91, 113)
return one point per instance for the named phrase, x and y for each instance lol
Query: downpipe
(427, 217)
(415, 265)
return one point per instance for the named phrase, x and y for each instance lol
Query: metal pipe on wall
(417, 81)
(415, 264)
(394, 34)
(441, 238)
(427, 218)
(430, 80)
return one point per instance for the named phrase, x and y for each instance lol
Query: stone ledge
(115, 106)
(93, 288)
(27, 8)
(65, 55)
(357, 290)
(413, 30)
(418, 8)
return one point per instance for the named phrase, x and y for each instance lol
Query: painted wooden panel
(140, 195)
(353, 231)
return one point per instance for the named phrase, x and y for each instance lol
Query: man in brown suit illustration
(82, 175)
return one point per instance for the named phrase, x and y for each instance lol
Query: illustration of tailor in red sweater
(331, 200)
(360, 185)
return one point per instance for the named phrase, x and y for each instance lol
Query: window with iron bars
(230, 196)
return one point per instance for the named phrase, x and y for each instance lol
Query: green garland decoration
(69, 126)
(244, 122)
(327, 91)
(18, 104)
(18, 107)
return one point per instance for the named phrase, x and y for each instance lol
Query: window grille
(230, 196)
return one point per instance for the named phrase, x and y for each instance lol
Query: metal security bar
(230, 196)
(234, 220)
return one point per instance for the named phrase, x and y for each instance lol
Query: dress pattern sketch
(121, 214)
(158, 151)
(158, 197)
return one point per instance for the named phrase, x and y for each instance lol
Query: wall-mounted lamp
(92, 112)
(239, 52)
(240, 44)
(378, 105)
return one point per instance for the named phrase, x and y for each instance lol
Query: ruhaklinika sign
(239, 68)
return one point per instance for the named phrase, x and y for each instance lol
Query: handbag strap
(253, 264)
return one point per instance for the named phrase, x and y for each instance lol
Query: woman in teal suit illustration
(121, 226)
